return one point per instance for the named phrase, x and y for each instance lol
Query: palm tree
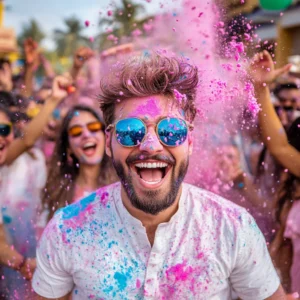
(125, 18)
(31, 30)
(69, 40)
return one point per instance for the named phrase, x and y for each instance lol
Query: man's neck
(150, 222)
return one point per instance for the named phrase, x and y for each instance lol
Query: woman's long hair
(286, 189)
(6, 111)
(63, 171)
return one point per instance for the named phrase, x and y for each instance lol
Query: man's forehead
(148, 108)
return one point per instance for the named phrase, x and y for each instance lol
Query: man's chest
(125, 272)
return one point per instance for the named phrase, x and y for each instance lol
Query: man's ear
(108, 143)
(191, 142)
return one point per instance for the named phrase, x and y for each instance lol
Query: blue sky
(50, 13)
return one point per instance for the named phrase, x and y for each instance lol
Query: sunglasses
(131, 132)
(5, 129)
(77, 130)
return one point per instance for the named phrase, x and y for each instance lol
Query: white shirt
(21, 184)
(209, 247)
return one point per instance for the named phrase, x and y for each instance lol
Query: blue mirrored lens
(130, 132)
(172, 131)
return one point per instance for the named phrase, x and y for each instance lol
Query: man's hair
(284, 86)
(7, 99)
(148, 75)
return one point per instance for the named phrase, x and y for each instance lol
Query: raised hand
(6, 83)
(31, 52)
(262, 69)
(61, 87)
(81, 56)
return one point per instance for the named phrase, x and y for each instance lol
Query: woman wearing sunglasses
(22, 177)
(79, 165)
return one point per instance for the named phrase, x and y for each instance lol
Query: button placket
(151, 288)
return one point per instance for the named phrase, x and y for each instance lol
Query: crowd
(52, 154)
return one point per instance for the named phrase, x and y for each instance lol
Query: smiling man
(151, 236)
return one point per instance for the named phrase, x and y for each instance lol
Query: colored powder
(121, 280)
(179, 272)
(150, 108)
(75, 209)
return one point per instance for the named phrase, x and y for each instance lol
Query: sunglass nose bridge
(151, 142)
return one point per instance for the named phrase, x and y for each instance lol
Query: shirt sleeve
(253, 276)
(52, 278)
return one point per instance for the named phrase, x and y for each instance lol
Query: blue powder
(75, 209)
(121, 280)
(112, 243)
(7, 219)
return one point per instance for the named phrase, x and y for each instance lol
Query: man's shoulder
(216, 212)
(207, 202)
(92, 205)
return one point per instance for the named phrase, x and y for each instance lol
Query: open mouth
(151, 173)
(89, 148)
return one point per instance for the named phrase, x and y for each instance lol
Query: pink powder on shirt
(138, 283)
(180, 272)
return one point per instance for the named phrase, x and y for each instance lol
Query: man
(288, 95)
(152, 236)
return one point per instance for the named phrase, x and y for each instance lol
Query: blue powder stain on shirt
(112, 243)
(75, 209)
(108, 290)
(7, 219)
(121, 280)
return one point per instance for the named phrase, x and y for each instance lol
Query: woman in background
(79, 165)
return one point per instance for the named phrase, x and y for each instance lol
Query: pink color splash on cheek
(150, 109)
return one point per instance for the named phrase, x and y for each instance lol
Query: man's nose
(151, 142)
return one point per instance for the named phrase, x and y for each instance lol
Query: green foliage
(31, 30)
(125, 19)
(67, 41)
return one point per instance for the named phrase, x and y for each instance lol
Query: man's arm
(53, 278)
(278, 295)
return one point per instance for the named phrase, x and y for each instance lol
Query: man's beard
(152, 203)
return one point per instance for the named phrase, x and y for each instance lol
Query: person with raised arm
(22, 177)
(263, 72)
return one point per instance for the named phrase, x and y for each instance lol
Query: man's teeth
(151, 165)
(152, 182)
